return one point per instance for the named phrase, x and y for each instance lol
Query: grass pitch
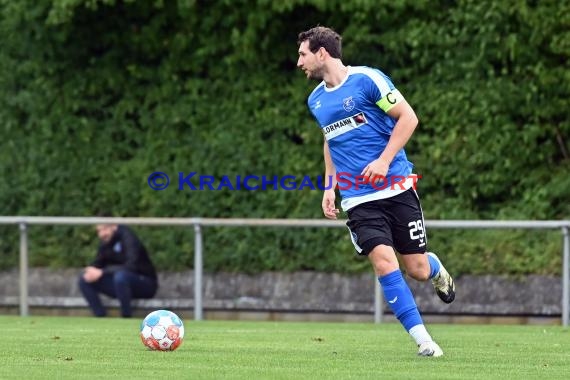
(90, 348)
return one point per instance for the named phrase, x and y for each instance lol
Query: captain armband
(390, 100)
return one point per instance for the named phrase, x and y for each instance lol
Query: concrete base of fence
(300, 296)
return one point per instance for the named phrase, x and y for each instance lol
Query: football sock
(400, 299)
(420, 334)
(434, 266)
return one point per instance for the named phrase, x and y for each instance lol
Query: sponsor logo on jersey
(344, 125)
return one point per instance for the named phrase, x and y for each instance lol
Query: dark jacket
(124, 251)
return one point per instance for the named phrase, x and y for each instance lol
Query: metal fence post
(378, 302)
(198, 268)
(24, 309)
(565, 276)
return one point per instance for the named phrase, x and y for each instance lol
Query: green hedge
(98, 94)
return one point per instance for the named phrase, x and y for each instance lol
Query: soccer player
(122, 269)
(366, 123)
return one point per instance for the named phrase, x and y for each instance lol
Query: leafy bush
(98, 94)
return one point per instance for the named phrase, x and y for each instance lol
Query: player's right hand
(92, 274)
(329, 208)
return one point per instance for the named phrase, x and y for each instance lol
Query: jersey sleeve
(390, 100)
(382, 91)
(99, 261)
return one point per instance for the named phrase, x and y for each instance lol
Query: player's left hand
(376, 170)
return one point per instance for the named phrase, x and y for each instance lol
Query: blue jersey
(353, 118)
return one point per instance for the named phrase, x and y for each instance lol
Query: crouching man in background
(122, 269)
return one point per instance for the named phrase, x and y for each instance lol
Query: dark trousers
(122, 285)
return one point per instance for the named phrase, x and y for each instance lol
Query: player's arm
(99, 261)
(330, 170)
(328, 205)
(406, 123)
(94, 271)
(398, 108)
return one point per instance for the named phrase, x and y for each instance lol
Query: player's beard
(316, 74)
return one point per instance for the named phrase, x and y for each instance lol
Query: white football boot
(430, 349)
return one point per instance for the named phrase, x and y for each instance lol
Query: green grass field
(90, 348)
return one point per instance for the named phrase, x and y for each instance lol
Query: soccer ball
(162, 330)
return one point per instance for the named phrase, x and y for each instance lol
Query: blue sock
(400, 299)
(434, 266)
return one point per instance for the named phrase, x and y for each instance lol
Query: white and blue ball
(162, 330)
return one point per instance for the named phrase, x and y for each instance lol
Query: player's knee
(418, 271)
(383, 260)
(385, 267)
(121, 278)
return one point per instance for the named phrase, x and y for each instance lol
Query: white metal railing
(198, 223)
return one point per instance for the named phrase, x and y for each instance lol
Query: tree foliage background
(97, 94)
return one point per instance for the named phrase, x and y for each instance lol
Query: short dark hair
(321, 36)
